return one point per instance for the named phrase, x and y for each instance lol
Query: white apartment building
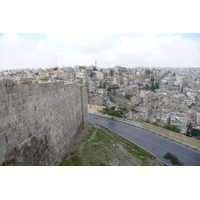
(81, 73)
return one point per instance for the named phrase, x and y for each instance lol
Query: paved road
(150, 141)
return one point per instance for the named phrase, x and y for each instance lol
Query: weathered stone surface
(2, 155)
(38, 122)
(10, 89)
(4, 98)
(3, 142)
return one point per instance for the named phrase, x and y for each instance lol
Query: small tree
(172, 128)
(111, 98)
(189, 129)
(104, 85)
(128, 96)
(111, 72)
(182, 89)
(157, 85)
(173, 158)
(195, 132)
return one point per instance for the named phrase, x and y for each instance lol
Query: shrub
(111, 98)
(155, 124)
(128, 96)
(168, 155)
(172, 128)
(112, 108)
(173, 158)
(45, 80)
(195, 132)
(112, 112)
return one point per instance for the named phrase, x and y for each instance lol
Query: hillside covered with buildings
(162, 96)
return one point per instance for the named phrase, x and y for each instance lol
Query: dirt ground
(97, 146)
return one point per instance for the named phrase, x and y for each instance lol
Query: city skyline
(41, 50)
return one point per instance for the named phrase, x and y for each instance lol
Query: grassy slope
(100, 147)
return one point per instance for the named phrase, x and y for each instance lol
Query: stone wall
(38, 122)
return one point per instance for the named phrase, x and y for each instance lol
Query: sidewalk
(139, 125)
(92, 110)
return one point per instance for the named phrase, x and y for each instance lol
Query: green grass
(46, 79)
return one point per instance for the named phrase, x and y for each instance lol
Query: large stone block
(2, 82)
(3, 113)
(24, 130)
(4, 98)
(3, 142)
(11, 138)
(3, 91)
(10, 89)
(7, 132)
(20, 108)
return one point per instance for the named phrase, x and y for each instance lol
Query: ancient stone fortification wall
(38, 122)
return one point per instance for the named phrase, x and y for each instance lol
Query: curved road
(154, 143)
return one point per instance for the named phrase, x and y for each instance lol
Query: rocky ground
(98, 146)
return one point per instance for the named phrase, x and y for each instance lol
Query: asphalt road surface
(154, 143)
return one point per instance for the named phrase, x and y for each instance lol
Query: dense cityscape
(166, 97)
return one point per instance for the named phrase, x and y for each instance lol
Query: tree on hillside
(172, 128)
(152, 86)
(128, 96)
(182, 89)
(195, 132)
(146, 87)
(157, 85)
(111, 72)
(152, 78)
(111, 98)
(104, 85)
(95, 69)
(189, 129)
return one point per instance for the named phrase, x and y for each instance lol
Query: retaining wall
(38, 122)
(97, 107)
(172, 134)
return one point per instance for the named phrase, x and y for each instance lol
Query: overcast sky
(109, 32)
(127, 50)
